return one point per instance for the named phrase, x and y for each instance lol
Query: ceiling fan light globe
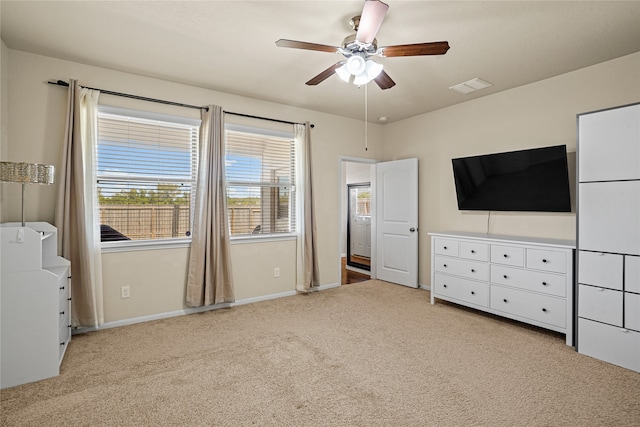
(343, 73)
(356, 65)
(361, 79)
(373, 69)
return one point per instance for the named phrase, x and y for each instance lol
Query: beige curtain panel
(78, 231)
(307, 254)
(210, 280)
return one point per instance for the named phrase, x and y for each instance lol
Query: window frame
(147, 244)
(293, 194)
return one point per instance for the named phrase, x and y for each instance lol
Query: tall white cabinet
(35, 302)
(608, 235)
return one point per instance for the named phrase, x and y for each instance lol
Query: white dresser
(609, 235)
(36, 303)
(525, 279)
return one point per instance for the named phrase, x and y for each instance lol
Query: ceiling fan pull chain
(366, 119)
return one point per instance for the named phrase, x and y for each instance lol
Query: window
(260, 173)
(146, 170)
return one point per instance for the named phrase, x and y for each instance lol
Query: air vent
(471, 86)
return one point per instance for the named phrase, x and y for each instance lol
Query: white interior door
(396, 221)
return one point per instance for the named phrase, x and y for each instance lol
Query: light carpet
(365, 354)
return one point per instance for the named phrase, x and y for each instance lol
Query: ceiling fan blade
(384, 81)
(433, 48)
(373, 14)
(325, 74)
(304, 45)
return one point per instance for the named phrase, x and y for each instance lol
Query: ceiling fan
(359, 47)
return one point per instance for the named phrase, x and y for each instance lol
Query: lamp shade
(26, 173)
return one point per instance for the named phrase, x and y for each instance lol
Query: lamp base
(23, 222)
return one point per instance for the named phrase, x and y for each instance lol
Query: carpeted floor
(366, 354)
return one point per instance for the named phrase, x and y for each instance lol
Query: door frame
(342, 184)
(350, 225)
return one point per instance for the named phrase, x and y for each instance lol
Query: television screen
(534, 180)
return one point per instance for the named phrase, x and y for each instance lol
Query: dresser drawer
(632, 274)
(64, 331)
(600, 304)
(541, 308)
(474, 251)
(64, 294)
(462, 289)
(508, 255)
(552, 284)
(446, 247)
(609, 343)
(555, 262)
(464, 268)
(64, 335)
(599, 269)
(632, 311)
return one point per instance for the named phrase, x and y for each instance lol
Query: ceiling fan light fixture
(343, 73)
(361, 79)
(356, 65)
(373, 69)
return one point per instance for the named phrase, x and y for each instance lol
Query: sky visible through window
(138, 161)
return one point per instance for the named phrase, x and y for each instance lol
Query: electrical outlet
(125, 291)
(276, 272)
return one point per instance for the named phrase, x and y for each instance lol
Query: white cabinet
(609, 236)
(525, 279)
(608, 214)
(609, 148)
(36, 303)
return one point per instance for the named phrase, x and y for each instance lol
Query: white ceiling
(230, 45)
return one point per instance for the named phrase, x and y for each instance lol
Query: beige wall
(535, 115)
(4, 114)
(157, 277)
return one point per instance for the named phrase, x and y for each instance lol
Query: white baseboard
(158, 316)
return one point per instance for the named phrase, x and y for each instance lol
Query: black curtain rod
(128, 95)
(161, 101)
(266, 118)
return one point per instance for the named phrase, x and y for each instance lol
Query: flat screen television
(534, 180)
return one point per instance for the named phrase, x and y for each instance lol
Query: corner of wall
(4, 116)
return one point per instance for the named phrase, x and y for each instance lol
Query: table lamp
(26, 173)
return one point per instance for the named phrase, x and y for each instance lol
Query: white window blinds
(260, 175)
(146, 171)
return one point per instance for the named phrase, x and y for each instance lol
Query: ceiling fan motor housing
(350, 46)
